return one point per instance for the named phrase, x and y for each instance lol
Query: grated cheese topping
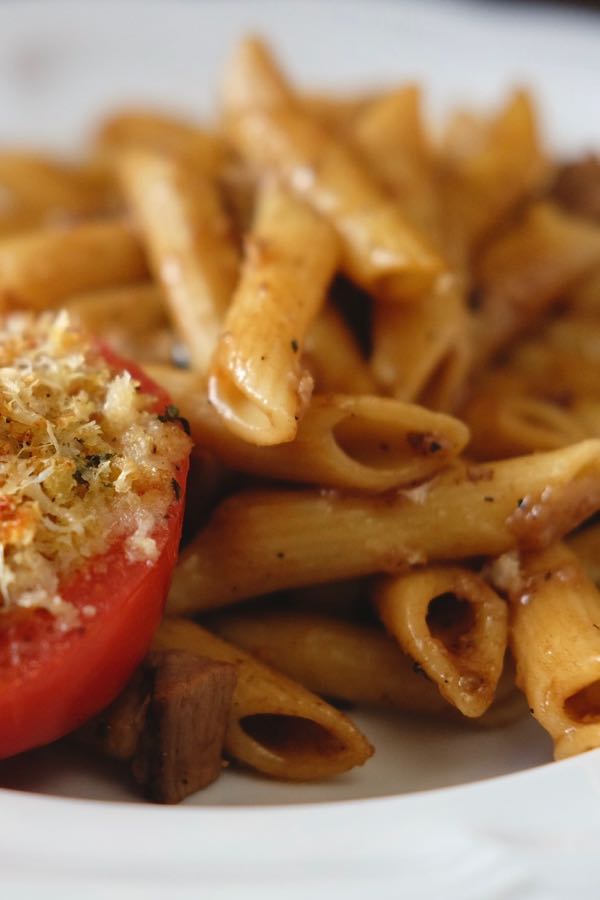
(84, 461)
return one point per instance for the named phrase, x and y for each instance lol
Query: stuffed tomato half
(93, 466)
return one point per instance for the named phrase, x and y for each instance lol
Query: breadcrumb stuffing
(84, 461)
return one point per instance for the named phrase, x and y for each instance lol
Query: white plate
(532, 834)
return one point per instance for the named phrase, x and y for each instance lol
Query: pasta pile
(387, 347)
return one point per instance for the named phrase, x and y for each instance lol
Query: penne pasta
(453, 625)
(256, 380)
(276, 726)
(506, 419)
(333, 658)
(555, 625)
(190, 244)
(585, 543)
(388, 131)
(364, 442)
(252, 78)
(333, 357)
(157, 131)
(380, 250)
(133, 320)
(423, 352)
(281, 539)
(486, 169)
(384, 344)
(522, 274)
(42, 268)
(337, 112)
(51, 189)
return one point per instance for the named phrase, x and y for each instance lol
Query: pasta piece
(423, 351)
(528, 269)
(577, 187)
(42, 268)
(507, 420)
(155, 130)
(487, 169)
(555, 375)
(334, 658)
(272, 540)
(51, 188)
(454, 626)
(252, 79)
(276, 726)
(342, 599)
(332, 356)
(585, 543)
(380, 250)
(190, 244)
(555, 639)
(369, 443)
(256, 381)
(584, 297)
(132, 320)
(16, 219)
(390, 135)
(336, 111)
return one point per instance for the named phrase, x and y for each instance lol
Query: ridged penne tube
(253, 79)
(133, 320)
(380, 250)
(42, 268)
(263, 541)
(450, 622)
(276, 726)
(389, 133)
(52, 187)
(256, 380)
(335, 111)
(487, 168)
(555, 640)
(575, 334)
(333, 357)
(522, 273)
(505, 420)
(154, 130)
(190, 244)
(364, 442)
(555, 374)
(333, 658)
(585, 543)
(268, 127)
(423, 351)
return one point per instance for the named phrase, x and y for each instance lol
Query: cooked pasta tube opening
(584, 705)
(291, 737)
(451, 619)
(244, 415)
(379, 445)
(455, 628)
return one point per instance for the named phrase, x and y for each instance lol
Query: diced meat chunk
(181, 743)
(169, 723)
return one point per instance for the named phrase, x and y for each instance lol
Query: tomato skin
(52, 681)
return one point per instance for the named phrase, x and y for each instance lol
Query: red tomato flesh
(52, 681)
